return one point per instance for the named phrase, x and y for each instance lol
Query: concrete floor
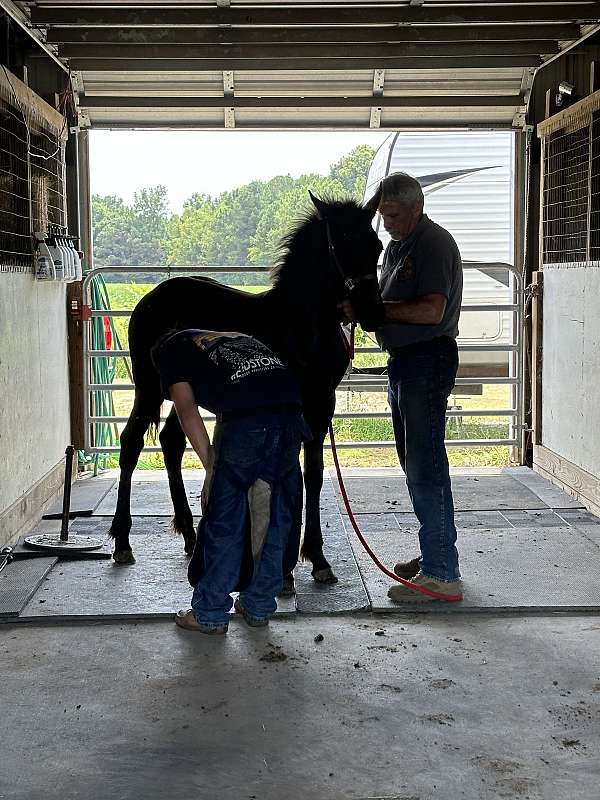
(462, 707)
(400, 706)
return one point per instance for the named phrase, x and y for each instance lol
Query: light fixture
(565, 90)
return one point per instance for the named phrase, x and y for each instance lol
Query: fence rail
(353, 381)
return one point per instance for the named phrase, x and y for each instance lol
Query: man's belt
(422, 346)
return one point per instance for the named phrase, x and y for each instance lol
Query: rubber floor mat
(19, 581)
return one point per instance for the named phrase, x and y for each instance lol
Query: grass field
(125, 296)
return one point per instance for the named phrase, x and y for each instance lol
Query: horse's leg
(132, 443)
(290, 556)
(172, 440)
(312, 546)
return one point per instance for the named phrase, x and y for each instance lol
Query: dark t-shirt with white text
(227, 371)
(427, 262)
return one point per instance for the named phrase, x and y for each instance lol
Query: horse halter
(349, 283)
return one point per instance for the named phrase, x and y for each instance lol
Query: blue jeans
(421, 377)
(246, 449)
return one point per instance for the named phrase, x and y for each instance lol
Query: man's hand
(370, 316)
(369, 313)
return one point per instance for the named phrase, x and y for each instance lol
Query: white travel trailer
(468, 183)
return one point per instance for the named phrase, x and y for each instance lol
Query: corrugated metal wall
(476, 208)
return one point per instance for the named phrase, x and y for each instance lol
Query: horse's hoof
(324, 576)
(123, 557)
(289, 587)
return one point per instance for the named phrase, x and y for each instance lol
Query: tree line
(241, 227)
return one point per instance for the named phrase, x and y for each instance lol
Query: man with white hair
(421, 289)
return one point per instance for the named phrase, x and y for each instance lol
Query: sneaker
(187, 620)
(408, 569)
(254, 622)
(451, 591)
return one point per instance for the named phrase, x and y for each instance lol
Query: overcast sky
(211, 162)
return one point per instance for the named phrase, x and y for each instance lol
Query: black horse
(331, 255)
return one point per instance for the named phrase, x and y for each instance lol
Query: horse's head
(353, 252)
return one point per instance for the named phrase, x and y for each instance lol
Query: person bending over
(252, 468)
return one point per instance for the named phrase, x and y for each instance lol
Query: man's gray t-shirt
(428, 262)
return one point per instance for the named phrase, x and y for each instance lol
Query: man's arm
(426, 310)
(191, 421)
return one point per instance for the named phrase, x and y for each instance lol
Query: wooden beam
(276, 124)
(76, 358)
(324, 64)
(20, 517)
(389, 33)
(537, 354)
(421, 101)
(571, 478)
(594, 77)
(265, 51)
(550, 107)
(26, 98)
(83, 17)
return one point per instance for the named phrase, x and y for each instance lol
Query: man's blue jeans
(247, 449)
(421, 377)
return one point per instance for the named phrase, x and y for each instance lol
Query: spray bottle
(59, 242)
(57, 257)
(44, 263)
(78, 267)
(70, 261)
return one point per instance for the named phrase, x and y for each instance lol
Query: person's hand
(370, 315)
(347, 311)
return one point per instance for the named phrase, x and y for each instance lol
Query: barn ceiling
(287, 64)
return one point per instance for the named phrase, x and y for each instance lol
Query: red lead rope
(414, 586)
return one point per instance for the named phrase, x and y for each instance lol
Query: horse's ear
(373, 204)
(319, 205)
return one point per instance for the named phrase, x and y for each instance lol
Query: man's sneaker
(408, 569)
(254, 622)
(449, 591)
(187, 620)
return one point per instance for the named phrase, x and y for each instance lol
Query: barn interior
(345, 695)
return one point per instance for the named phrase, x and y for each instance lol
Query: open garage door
(419, 64)
(296, 65)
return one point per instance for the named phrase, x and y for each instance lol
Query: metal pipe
(479, 307)
(486, 412)
(356, 381)
(355, 445)
(64, 526)
(463, 348)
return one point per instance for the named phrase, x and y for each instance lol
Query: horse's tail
(154, 424)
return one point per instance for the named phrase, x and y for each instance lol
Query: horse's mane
(294, 242)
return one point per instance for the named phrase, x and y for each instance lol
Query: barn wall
(34, 380)
(567, 424)
(571, 407)
(34, 387)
